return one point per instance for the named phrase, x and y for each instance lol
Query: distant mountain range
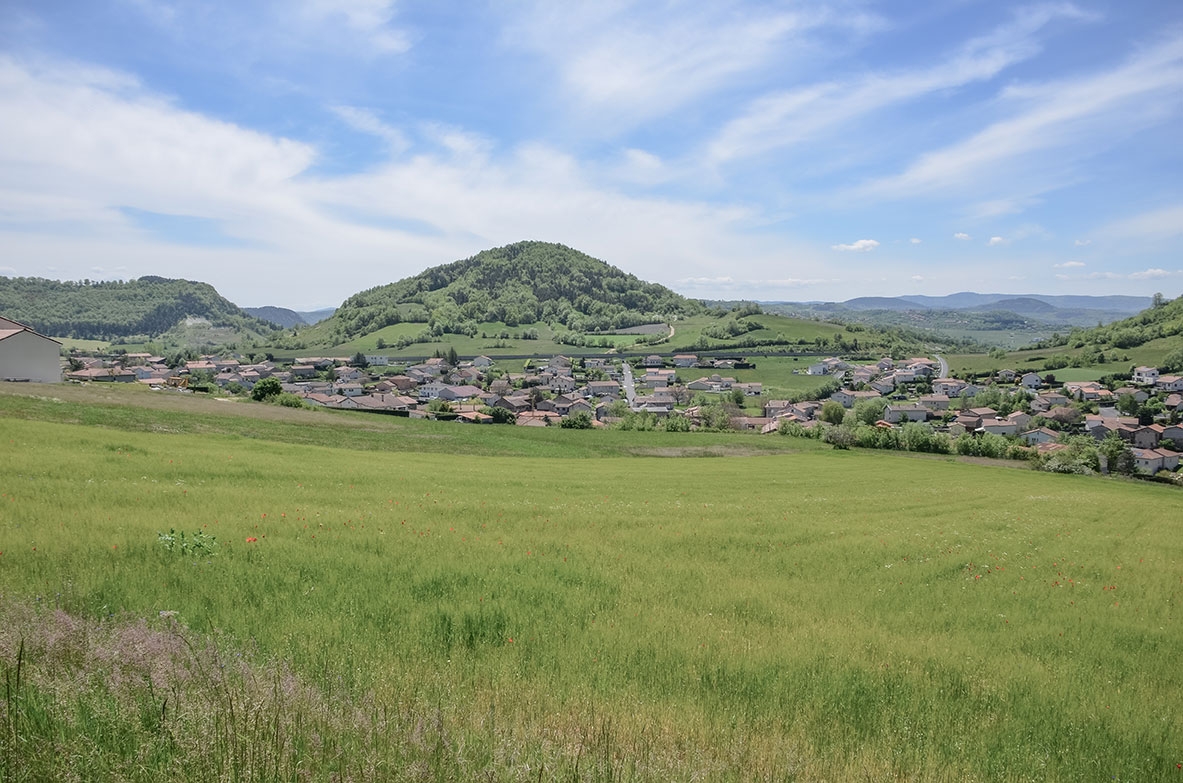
(1015, 303)
(1009, 320)
(968, 310)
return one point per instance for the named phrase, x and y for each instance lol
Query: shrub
(289, 400)
(577, 421)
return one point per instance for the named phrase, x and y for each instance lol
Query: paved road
(944, 369)
(630, 390)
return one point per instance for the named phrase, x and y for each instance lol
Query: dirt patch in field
(701, 451)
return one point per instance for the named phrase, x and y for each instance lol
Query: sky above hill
(295, 152)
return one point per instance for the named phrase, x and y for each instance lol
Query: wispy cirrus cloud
(367, 121)
(629, 61)
(1075, 117)
(785, 118)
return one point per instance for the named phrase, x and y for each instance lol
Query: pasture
(396, 612)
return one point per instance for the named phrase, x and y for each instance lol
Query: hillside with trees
(117, 310)
(517, 285)
(1163, 319)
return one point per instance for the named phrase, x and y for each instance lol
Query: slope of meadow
(394, 614)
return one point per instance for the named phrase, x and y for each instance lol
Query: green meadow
(359, 599)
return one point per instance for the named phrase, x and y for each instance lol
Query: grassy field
(776, 374)
(407, 600)
(1150, 353)
(71, 343)
(688, 331)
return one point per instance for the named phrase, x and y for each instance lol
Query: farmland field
(374, 607)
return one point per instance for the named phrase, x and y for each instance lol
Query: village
(693, 391)
(598, 391)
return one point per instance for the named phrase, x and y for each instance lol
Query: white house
(950, 387)
(1031, 380)
(26, 355)
(905, 412)
(999, 427)
(1145, 375)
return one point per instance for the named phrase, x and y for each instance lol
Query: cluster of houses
(1155, 446)
(540, 395)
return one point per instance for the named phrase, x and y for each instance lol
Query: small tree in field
(832, 412)
(1118, 456)
(840, 437)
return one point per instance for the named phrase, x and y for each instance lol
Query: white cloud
(962, 236)
(83, 147)
(996, 241)
(859, 246)
(95, 140)
(918, 278)
(1154, 274)
(914, 241)
(784, 118)
(1082, 242)
(1069, 265)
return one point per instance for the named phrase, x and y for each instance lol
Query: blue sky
(295, 152)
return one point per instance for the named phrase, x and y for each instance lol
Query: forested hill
(149, 306)
(522, 283)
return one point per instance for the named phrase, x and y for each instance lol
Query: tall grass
(414, 615)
